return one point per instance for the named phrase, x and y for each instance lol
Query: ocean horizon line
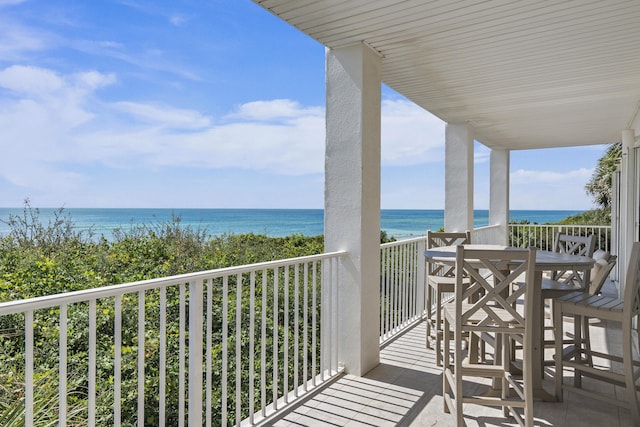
(64, 208)
(272, 222)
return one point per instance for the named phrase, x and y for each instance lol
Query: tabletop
(545, 260)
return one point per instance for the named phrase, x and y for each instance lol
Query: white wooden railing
(402, 285)
(542, 235)
(217, 364)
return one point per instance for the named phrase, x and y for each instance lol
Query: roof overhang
(525, 74)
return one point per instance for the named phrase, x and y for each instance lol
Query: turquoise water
(398, 223)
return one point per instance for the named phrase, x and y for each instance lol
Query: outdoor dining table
(545, 261)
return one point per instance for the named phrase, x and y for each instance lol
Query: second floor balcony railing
(220, 346)
(402, 285)
(542, 235)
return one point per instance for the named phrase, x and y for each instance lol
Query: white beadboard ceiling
(525, 73)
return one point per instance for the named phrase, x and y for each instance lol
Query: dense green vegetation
(41, 259)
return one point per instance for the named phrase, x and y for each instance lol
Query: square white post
(458, 183)
(352, 199)
(499, 194)
(628, 202)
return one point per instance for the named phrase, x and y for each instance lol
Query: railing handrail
(48, 301)
(403, 242)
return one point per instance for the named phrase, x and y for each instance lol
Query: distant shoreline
(273, 222)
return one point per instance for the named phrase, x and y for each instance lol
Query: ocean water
(399, 223)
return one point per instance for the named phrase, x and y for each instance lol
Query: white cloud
(4, 3)
(165, 116)
(55, 128)
(410, 134)
(62, 126)
(30, 80)
(178, 20)
(17, 41)
(523, 176)
(544, 189)
(274, 110)
(39, 82)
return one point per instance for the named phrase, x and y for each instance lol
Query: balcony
(406, 389)
(276, 361)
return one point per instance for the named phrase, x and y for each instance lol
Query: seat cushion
(602, 259)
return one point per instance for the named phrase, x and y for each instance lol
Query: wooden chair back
(489, 303)
(632, 288)
(440, 239)
(574, 245)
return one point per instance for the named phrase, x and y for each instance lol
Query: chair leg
(586, 339)
(429, 315)
(439, 330)
(506, 360)
(579, 345)
(446, 387)
(627, 354)
(458, 375)
(558, 331)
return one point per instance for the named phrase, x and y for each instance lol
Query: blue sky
(211, 103)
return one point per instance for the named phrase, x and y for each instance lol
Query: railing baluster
(314, 325)
(382, 290)
(117, 360)
(163, 357)
(208, 360)
(225, 334)
(263, 343)
(62, 368)
(92, 364)
(141, 350)
(305, 328)
(388, 290)
(324, 320)
(196, 288)
(28, 368)
(334, 310)
(181, 356)
(296, 326)
(276, 272)
(238, 365)
(252, 339)
(285, 345)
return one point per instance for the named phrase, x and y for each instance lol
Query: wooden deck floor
(406, 390)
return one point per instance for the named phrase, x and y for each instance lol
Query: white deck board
(406, 390)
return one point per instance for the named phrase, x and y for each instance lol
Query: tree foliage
(599, 186)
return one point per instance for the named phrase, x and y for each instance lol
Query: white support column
(352, 198)
(458, 200)
(628, 202)
(499, 193)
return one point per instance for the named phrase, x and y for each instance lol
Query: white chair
(494, 312)
(622, 311)
(441, 280)
(566, 281)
